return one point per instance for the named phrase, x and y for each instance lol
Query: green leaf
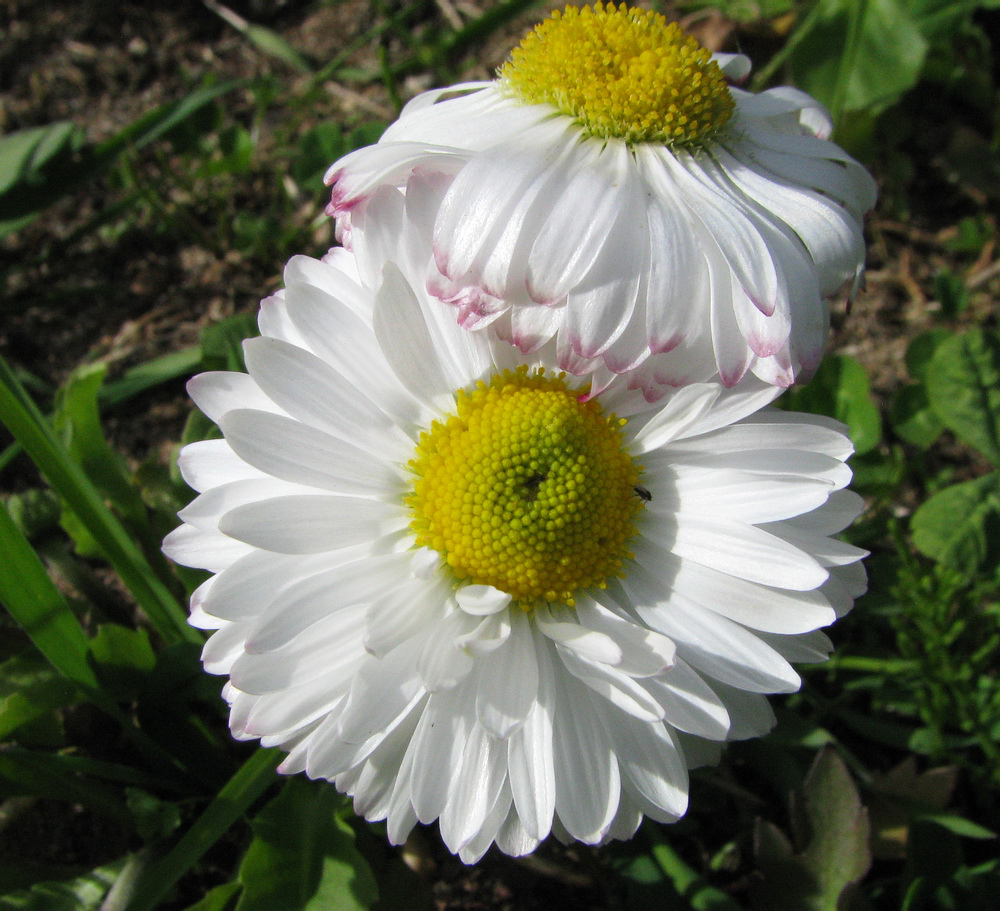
(232, 801)
(912, 417)
(966, 828)
(33, 432)
(150, 374)
(36, 167)
(838, 853)
(123, 658)
(963, 385)
(34, 602)
(59, 164)
(24, 153)
(160, 121)
(832, 844)
(303, 856)
(921, 350)
(696, 891)
(951, 292)
(77, 421)
(321, 146)
(154, 818)
(960, 525)
(840, 389)
(30, 688)
(85, 893)
(20, 774)
(222, 342)
(34, 511)
(859, 56)
(218, 899)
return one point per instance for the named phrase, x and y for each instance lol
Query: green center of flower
(622, 73)
(526, 488)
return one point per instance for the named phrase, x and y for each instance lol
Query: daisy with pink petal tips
(648, 216)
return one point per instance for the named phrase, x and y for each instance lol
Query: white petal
(310, 524)
(689, 704)
(508, 681)
(481, 600)
(650, 761)
(209, 463)
(479, 778)
(745, 552)
(591, 646)
(529, 754)
(302, 454)
(217, 392)
(314, 393)
(587, 781)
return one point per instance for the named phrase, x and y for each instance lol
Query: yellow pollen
(622, 73)
(526, 488)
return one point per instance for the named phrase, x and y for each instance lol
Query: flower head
(612, 191)
(454, 581)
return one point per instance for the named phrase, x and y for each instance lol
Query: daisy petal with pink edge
(636, 205)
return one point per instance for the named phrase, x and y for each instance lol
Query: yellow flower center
(526, 488)
(622, 73)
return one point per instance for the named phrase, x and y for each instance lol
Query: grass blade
(256, 774)
(31, 430)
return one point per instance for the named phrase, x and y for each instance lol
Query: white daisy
(649, 216)
(457, 585)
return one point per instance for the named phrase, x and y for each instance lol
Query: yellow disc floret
(622, 73)
(526, 488)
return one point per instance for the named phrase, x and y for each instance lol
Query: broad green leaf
(840, 389)
(859, 56)
(921, 350)
(303, 856)
(34, 511)
(963, 385)
(29, 689)
(912, 417)
(154, 818)
(960, 525)
(123, 658)
(84, 893)
(838, 853)
(831, 852)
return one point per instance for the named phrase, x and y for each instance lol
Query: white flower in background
(649, 216)
(461, 588)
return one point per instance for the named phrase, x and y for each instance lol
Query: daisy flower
(612, 190)
(453, 581)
